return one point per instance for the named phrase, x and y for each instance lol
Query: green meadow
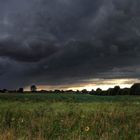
(69, 117)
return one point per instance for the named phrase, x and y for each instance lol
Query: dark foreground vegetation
(69, 117)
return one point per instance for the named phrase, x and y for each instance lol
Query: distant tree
(113, 91)
(77, 92)
(57, 91)
(124, 91)
(109, 91)
(135, 89)
(43, 91)
(68, 91)
(62, 91)
(104, 93)
(33, 88)
(92, 92)
(116, 90)
(98, 91)
(84, 91)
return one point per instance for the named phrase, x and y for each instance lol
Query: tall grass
(66, 120)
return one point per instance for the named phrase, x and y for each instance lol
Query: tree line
(134, 90)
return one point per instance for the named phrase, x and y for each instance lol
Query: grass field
(69, 117)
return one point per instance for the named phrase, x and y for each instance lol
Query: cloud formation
(61, 42)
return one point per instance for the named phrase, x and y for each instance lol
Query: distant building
(20, 90)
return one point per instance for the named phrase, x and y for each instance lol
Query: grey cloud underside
(66, 41)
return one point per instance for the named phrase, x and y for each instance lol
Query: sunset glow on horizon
(104, 84)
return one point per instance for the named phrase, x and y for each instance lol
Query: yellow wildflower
(87, 129)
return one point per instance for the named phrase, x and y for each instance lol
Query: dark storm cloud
(33, 51)
(66, 41)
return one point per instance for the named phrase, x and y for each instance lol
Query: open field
(69, 117)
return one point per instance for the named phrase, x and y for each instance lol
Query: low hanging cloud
(61, 42)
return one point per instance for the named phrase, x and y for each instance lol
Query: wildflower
(22, 120)
(115, 130)
(62, 121)
(87, 129)
(13, 119)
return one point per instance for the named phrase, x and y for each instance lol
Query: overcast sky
(68, 42)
